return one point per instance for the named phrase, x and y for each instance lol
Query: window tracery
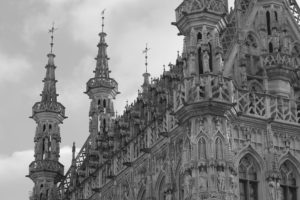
(288, 184)
(248, 178)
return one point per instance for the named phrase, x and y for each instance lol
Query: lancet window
(248, 178)
(200, 61)
(268, 16)
(210, 57)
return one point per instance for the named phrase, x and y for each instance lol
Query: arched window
(219, 149)
(104, 125)
(44, 127)
(248, 178)
(210, 58)
(99, 102)
(202, 148)
(289, 183)
(104, 103)
(50, 127)
(276, 16)
(268, 16)
(270, 47)
(43, 150)
(200, 62)
(199, 36)
(161, 190)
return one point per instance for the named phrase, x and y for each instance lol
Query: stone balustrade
(101, 82)
(277, 59)
(268, 106)
(54, 107)
(46, 165)
(203, 88)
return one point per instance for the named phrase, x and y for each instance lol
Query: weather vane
(102, 13)
(51, 31)
(146, 57)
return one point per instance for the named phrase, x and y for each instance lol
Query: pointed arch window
(248, 178)
(200, 61)
(202, 148)
(219, 149)
(268, 16)
(210, 57)
(104, 103)
(271, 47)
(276, 16)
(289, 183)
(199, 36)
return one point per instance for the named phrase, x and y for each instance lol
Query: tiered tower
(46, 170)
(102, 90)
(203, 103)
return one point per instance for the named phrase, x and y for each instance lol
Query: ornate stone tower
(204, 103)
(46, 170)
(102, 90)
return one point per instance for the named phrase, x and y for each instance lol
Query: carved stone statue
(221, 181)
(192, 64)
(202, 181)
(206, 62)
(272, 189)
(187, 185)
(279, 192)
(233, 184)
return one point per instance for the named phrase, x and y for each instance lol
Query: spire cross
(51, 31)
(102, 13)
(146, 57)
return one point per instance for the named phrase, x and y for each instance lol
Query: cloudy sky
(24, 44)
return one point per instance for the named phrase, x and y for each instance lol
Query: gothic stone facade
(221, 124)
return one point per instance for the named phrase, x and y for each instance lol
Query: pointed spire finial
(146, 57)
(102, 13)
(51, 31)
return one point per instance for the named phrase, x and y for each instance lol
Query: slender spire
(49, 91)
(146, 57)
(102, 69)
(146, 75)
(51, 31)
(49, 102)
(102, 13)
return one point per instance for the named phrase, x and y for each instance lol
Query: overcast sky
(24, 44)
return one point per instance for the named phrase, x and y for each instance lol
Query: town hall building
(223, 123)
